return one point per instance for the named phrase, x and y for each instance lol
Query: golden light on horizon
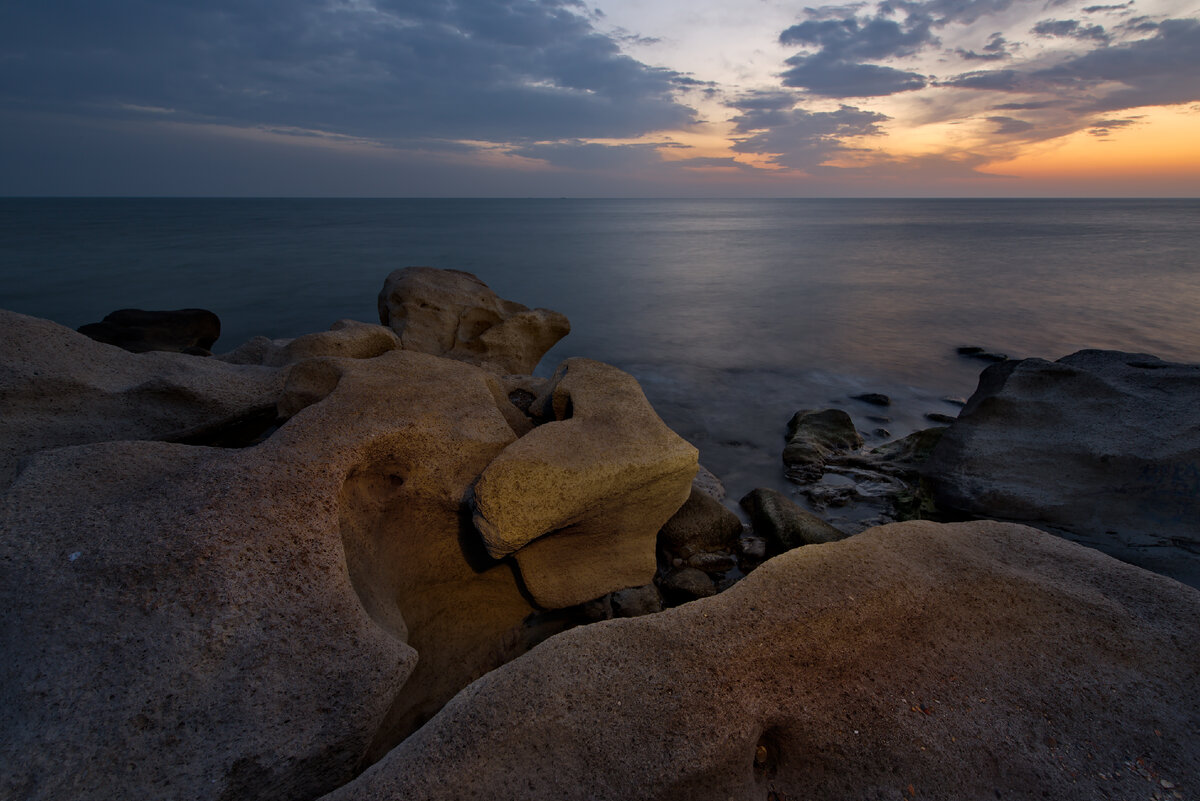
(1160, 140)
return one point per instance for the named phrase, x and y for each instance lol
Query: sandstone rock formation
(967, 661)
(1100, 444)
(601, 478)
(58, 387)
(191, 331)
(454, 314)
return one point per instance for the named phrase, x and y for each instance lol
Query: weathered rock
(1100, 444)
(940, 418)
(812, 437)
(454, 314)
(708, 483)
(580, 500)
(58, 387)
(636, 601)
(701, 525)
(783, 524)
(966, 661)
(191, 331)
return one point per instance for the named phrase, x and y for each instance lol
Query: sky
(674, 98)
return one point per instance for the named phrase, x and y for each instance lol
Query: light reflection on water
(732, 313)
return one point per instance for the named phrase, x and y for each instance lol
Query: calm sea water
(732, 313)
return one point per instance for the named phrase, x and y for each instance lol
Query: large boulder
(452, 313)
(58, 387)
(192, 331)
(579, 500)
(1102, 445)
(917, 660)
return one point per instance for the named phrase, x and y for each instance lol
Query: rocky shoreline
(377, 562)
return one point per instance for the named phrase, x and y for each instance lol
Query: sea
(732, 314)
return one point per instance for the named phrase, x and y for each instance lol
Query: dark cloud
(945, 12)
(1138, 25)
(394, 70)
(1010, 125)
(799, 138)
(1071, 29)
(1103, 128)
(1035, 106)
(996, 49)
(591, 156)
(1097, 9)
(853, 39)
(832, 78)
(996, 80)
(1161, 70)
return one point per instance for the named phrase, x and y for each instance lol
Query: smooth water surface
(732, 313)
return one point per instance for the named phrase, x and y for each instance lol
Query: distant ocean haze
(732, 313)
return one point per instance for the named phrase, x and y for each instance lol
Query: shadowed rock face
(1100, 444)
(191, 331)
(974, 660)
(453, 314)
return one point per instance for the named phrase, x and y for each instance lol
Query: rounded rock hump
(452, 313)
(579, 500)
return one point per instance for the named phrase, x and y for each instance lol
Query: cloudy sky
(603, 98)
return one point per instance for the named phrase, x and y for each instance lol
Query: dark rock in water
(981, 354)
(182, 331)
(1101, 444)
(938, 417)
(702, 525)
(873, 398)
(813, 437)
(882, 432)
(877, 418)
(955, 400)
(783, 524)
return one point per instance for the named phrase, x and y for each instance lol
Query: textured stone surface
(701, 525)
(783, 524)
(1102, 445)
(192, 622)
(58, 387)
(580, 500)
(966, 661)
(454, 314)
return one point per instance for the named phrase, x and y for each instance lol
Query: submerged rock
(454, 314)
(947, 662)
(873, 398)
(1101, 444)
(191, 331)
(813, 437)
(783, 524)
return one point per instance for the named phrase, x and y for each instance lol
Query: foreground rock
(60, 388)
(1102, 445)
(454, 314)
(966, 661)
(602, 477)
(192, 331)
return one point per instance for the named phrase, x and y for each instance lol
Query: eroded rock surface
(1102, 445)
(454, 314)
(579, 501)
(975, 660)
(58, 387)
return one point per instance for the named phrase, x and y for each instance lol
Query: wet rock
(975, 352)
(882, 432)
(454, 314)
(955, 400)
(701, 525)
(1102, 445)
(602, 478)
(687, 584)
(709, 484)
(783, 524)
(966, 661)
(813, 437)
(938, 417)
(191, 331)
(873, 398)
